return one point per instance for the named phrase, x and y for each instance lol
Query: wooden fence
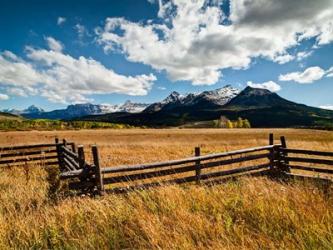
(38, 154)
(275, 160)
(302, 163)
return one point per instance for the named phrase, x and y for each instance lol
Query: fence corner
(285, 164)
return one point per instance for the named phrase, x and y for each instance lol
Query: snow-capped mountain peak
(214, 97)
(222, 95)
(127, 106)
(33, 109)
(108, 108)
(30, 110)
(173, 97)
(132, 107)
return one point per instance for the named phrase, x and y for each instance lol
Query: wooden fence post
(98, 171)
(271, 139)
(197, 165)
(283, 142)
(80, 152)
(64, 142)
(59, 154)
(286, 168)
(73, 147)
(272, 154)
(86, 174)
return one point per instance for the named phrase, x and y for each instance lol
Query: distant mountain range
(30, 110)
(260, 106)
(78, 110)
(206, 99)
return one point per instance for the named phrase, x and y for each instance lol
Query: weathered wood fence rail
(275, 160)
(41, 154)
(194, 165)
(302, 160)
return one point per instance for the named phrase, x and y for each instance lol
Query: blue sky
(53, 53)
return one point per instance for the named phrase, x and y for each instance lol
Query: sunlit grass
(249, 213)
(252, 213)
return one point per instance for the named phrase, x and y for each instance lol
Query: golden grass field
(130, 146)
(252, 213)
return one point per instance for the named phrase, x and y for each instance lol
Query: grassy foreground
(250, 214)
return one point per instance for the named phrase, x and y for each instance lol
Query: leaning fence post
(197, 165)
(98, 170)
(285, 154)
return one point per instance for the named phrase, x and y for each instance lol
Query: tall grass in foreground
(252, 213)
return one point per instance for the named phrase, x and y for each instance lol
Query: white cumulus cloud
(16, 72)
(64, 79)
(309, 75)
(3, 97)
(54, 44)
(282, 59)
(303, 54)
(270, 85)
(195, 40)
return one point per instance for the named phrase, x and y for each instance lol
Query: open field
(249, 214)
(131, 146)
